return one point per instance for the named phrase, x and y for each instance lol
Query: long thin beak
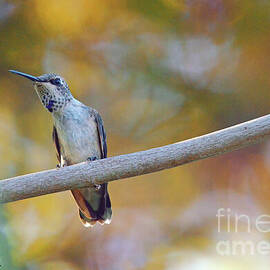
(30, 77)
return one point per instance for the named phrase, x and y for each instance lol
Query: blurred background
(158, 71)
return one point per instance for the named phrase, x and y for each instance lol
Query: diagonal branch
(152, 160)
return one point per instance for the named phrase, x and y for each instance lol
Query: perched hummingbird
(78, 135)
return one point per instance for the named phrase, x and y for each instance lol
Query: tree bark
(100, 171)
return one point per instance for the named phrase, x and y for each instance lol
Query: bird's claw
(58, 166)
(92, 158)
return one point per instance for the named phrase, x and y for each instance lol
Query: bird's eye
(56, 81)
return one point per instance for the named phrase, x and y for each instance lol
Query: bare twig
(124, 166)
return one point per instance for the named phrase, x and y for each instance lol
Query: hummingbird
(78, 135)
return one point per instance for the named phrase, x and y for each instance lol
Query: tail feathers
(94, 205)
(90, 222)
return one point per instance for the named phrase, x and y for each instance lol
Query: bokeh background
(158, 71)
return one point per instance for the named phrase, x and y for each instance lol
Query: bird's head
(52, 90)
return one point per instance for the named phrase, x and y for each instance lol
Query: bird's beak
(30, 77)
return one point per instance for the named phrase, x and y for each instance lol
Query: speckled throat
(52, 99)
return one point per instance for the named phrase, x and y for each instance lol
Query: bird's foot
(92, 158)
(58, 166)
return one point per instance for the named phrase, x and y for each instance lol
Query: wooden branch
(153, 160)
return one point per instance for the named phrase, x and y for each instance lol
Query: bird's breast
(78, 137)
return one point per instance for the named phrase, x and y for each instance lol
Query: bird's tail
(94, 205)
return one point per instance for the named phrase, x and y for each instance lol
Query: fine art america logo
(232, 223)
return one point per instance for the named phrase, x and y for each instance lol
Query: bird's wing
(101, 134)
(56, 144)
